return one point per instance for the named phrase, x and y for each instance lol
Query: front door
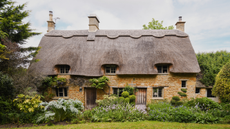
(90, 97)
(141, 96)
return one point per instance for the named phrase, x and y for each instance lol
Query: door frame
(85, 90)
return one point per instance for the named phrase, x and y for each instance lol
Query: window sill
(162, 73)
(56, 98)
(184, 87)
(158, 98)
(110, 74)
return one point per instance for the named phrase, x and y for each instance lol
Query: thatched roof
(134, 51)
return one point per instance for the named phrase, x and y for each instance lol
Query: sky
(207, 21)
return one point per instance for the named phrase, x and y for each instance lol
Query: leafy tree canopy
(210, 65)
(222, 84)
(156, 25)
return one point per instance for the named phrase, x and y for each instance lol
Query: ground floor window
(157, 92)
(197, 90)
(209, 93)
(61, 92)
(117, 91)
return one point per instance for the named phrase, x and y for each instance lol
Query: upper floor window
(162, 69)
(183, 83)
(110, 69)
(64, 69)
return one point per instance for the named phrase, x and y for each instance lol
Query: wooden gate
(90, 98)
(141, 96)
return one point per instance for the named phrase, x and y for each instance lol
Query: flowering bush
(61, 110)
(117, 113)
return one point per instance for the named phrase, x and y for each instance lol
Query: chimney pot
(93, 23)
(180, 24)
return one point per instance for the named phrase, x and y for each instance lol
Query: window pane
(56, 91)
(115, 91)
(65, 90)
(120, 91)
(61, 69)
(113, 70)
(159, 69)
(160, 92)
(165, 69)
(183, 83)
(67, 69)
(209, 93)
(197, 90)
(60, 90)
(107, 69)
(60, 94)
(154, 92)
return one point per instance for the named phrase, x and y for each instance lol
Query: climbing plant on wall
(99, 83)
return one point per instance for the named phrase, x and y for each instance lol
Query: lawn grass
(136, 125)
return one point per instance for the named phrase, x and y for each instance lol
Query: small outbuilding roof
(133, 51)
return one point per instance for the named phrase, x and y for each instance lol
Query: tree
(222, 84)
(156, 25)
(17, 34)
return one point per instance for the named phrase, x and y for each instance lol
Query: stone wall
(171, 83)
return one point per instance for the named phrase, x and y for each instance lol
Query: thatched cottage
(158, 62)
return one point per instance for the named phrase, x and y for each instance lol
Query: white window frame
(111, 69)
(57, 92)
(157, 93)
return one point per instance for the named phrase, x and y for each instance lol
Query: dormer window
(64, 69)
(110, 69)
(162, 69)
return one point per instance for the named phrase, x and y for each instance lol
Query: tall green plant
(99, 83)
(210, 65)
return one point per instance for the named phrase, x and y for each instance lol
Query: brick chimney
(51, 24)
(93, 23)
(180, 24)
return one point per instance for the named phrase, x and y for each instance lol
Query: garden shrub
(127, 100)
(222, 84)
(61, 110)
(107, 100)
(184, 90)
(176, 101)
(182, 94)
(203, 103)
(6, 85)
(129, 89)
(117, 113)
(125, 94)
(132, 98)
(27, 103)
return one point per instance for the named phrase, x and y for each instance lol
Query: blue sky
(207, 21)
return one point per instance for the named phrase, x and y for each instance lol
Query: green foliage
(222, 84)
(28, 103)
(6, 86)
(132, 98)
(176, 101)
(203, 103)
(210, 65)
(61, 110)
(125, 94)
(129, 89)
(127, 100)
(184, 90)
(107, 100)
(182, 94)
(156, 25)
(99, 83)
(166, 112)
(117, 113)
